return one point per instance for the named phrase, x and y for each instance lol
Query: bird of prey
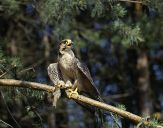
(69, 69)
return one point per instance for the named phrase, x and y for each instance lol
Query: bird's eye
(65, 42)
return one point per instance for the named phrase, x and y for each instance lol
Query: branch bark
(25, 84)
(51, 89)
(131, 1)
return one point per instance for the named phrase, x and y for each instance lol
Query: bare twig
(131, 1)
(6, 123)
(38, 86)
(9, 111)
(26, 70)
(3, 74)
(7, 71)
(31, 67)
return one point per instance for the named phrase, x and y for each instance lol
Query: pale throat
(67, 60)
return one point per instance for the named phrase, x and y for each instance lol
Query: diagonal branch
(25, 84)
(125, 114)
(132, 1)
(51, 89)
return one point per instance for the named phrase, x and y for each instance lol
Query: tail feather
(98, 114)
(101, 117)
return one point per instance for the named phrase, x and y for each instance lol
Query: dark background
(121, 43)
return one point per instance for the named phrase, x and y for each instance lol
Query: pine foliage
(10, 68)
(9, 7)
(60, 15)
(70, 18)
(129, 35)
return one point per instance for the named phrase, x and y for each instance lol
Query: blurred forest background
(121, 42)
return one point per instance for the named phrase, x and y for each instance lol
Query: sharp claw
(61, 84)
(71, 92)
(68, 84)
(76, 90)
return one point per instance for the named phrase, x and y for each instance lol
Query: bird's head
(65, 45)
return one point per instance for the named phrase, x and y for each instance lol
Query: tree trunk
(138, 10)
(145, 100)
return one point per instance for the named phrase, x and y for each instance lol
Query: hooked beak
(69, 43)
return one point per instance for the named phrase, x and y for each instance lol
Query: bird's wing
(55, 76)
(54, 73)
(83, 67)
(87, 80)
(91, 90)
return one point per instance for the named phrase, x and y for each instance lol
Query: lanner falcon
(69, 69)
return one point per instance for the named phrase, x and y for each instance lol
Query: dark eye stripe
(65, 42)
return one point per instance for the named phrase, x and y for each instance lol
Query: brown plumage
(70, 69)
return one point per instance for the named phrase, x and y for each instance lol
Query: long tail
(100, 113)
(102, 117)
(97, 113)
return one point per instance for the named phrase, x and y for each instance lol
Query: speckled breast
(67, 64)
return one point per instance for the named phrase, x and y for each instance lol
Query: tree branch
(125, 114)
(51, 89)
(131, 1)
(25, 84)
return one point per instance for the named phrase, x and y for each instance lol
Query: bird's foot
(71, 92)
(68, 84)
(61, 84)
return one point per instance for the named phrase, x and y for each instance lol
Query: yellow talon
(76, 91)
(71, 92)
